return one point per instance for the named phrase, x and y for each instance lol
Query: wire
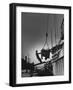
(55, 32)
(46, 43)
(51, 39)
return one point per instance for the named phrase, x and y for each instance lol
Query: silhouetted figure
(45, 53)
(37, 55)
(31, 69)
(26, 64)
(48, 69)
(23, 64)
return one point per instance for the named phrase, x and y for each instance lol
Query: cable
(55, 31)
(46, 43)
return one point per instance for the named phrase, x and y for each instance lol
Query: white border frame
(65, 77)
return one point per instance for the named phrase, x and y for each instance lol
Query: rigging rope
(51, 39)
(46, 43)
(55, 31)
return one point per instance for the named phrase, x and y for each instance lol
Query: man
(37, 55)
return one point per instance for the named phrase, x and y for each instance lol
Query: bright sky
(34, 27)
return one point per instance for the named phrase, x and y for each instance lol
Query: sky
(34, 28)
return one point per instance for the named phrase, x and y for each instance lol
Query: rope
(55, 31)
(46, 43)
(51, 39)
